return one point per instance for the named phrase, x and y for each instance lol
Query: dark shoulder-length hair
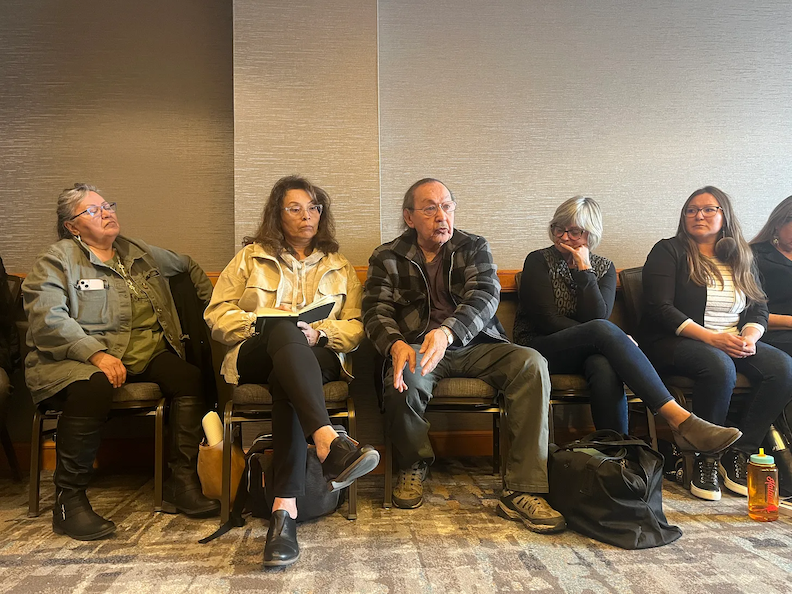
(781, 215)
(703, 270)
(270, 232)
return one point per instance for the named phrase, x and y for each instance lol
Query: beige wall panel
(519, 105)
(135, 97)
(305, 101)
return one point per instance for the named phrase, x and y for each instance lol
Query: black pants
(280, 356)
(93, 397)
(714, 374)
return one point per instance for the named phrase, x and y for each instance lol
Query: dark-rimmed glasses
(707, 211)
(573, 233)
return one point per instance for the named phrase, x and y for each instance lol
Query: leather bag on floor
(608, 486)
(210, 469)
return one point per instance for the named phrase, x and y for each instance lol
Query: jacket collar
(128, 251)
(768, 251)
(406, 244)
(331, 261)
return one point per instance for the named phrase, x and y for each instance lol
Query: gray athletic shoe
(408, 492)
(531, 510)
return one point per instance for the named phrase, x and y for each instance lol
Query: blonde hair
(703, 270)
(582, 212)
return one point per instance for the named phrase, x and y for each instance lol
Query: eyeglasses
(707, 211)
(431, 210)
(573, 233)
(95, 209)
(297, 211)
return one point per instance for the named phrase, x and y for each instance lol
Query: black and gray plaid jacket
(396, 297)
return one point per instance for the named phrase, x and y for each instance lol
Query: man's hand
(433, 350)
(401, 354)
(311, 335)
(579, 254)
(731, 344)
(113, 368)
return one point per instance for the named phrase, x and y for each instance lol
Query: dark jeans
(714, 374)
(280, 356)
(94, 397)
(602, 352)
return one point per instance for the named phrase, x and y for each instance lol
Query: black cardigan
(670, 298)
(537, 312)
(775, 270)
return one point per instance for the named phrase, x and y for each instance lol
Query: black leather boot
(76, 446)
(182, 491)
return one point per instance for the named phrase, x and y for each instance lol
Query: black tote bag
(608, 486)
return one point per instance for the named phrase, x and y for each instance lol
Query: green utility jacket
(68, 325)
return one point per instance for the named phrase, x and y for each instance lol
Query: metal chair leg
(35, 464)
(159, 453)
(496, 443)
(650, 421)
(352, 428)
(388, 502)
(550, 423)
(228, 437)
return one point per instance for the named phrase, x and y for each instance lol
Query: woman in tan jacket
(291, 262)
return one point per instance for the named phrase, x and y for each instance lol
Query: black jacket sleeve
(659, 286)
(595, 297)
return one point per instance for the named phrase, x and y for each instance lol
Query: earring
(775, 240)
(77, 237)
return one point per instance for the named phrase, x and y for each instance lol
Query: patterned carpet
(454, 543)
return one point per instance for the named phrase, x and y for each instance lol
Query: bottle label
(770, 489)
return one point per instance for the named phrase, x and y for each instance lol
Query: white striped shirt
(724, 302)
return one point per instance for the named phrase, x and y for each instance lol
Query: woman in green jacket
(101, 315)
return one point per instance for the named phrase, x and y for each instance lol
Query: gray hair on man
(582, 212)
(67, 203)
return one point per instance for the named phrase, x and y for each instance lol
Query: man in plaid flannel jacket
(429, 306)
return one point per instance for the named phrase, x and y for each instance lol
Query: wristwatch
(449, 335)
(322, 340)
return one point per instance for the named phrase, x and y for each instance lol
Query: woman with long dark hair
(292, 261)
(704, 312)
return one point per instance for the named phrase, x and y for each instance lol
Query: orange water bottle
(762, 488)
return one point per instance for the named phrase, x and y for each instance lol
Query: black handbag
(255, 494)
(608, 486)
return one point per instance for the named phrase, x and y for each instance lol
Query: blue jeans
(714, 374)
(602, 352)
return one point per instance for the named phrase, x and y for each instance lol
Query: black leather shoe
(73, 516)
(281, 548)
(347, 461)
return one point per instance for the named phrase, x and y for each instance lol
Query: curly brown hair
(270, 232)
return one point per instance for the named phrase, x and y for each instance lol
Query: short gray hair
(582, 212)
(67, 202)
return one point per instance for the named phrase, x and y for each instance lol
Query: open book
(318, 310)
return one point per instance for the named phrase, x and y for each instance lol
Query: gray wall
(135, 97)
(305, 101)
(519, 105)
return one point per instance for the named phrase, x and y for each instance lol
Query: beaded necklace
(121, 269)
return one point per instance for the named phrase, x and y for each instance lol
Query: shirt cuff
(753, 325)
(682, 326)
